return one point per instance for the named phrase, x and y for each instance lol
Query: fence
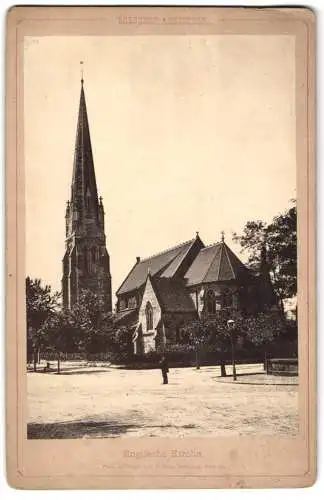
(77, 356)
(182, 355)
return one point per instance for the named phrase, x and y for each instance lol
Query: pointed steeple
(84, 195)
(86, 262)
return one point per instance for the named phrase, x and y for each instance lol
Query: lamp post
(231, 328)
(197, 355)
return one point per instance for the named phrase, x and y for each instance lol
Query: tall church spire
(84, 195)
(86, 263)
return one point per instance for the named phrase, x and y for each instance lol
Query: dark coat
(164, 365)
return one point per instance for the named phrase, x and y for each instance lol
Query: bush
(179, 348)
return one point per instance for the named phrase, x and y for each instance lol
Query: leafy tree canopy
(280, 240)
(95, 328)
(208, 331)
(41, 304)
(261, 329)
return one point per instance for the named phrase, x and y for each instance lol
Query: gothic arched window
(93, 254)
(149, 316)
(211, 302)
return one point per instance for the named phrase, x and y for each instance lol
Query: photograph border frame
(22, 472)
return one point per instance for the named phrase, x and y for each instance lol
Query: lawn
(110, 402)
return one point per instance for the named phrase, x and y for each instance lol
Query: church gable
(150, 310)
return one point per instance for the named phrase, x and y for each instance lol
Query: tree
(251, 240)
(61, 332)
(209, 332)
(282, 252)
(195, 334)
(95, 327)
(213, 332)
(219, 338)
(280, 240)
(40, 304)
(120, 341)
(261, 330)
(90, 306)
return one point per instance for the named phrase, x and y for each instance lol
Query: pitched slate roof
(125, 317)
(172, 295)
(165, 262)
(215, 263)
(175, 264)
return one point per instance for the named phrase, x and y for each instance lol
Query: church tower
(86, 262)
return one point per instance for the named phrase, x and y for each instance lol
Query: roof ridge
(229, 260)
(236, 257)
(212, 262)
(211, 245)
(185, 255)
(168, 250)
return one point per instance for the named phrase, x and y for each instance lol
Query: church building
(86, 263)
(163, 292)
(189, 281)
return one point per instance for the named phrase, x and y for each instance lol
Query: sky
(189, 133)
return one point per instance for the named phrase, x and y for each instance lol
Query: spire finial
(222, 236)
(197, 234)
(81, 67)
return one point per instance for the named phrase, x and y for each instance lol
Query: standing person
(164, 369)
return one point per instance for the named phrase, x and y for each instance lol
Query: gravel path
(109, 402)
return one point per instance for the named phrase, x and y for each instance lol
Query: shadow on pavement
(82, 372)
(77, 429)
(89, 428)
(71, 371)
(244, 374)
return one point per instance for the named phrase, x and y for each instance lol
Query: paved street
(104, 401)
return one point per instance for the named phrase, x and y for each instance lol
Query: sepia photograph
(161, 248)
